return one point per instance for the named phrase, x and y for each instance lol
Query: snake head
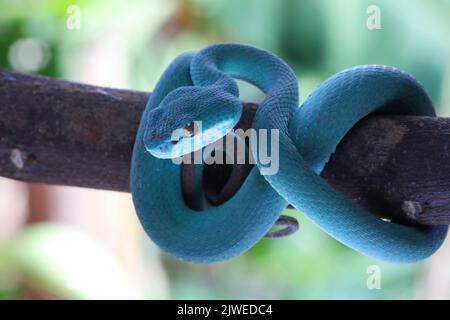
(188, 119)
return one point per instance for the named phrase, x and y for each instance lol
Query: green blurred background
(60, 242)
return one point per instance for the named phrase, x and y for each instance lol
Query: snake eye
(190, 130)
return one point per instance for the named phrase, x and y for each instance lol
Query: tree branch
(58, 132)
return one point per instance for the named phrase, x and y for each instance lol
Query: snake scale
(200, 86)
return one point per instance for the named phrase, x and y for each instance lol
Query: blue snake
(200, 86)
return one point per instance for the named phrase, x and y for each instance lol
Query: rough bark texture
(58, 132)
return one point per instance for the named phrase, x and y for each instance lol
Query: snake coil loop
(200, 86)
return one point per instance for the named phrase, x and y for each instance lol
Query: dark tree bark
(58, 132)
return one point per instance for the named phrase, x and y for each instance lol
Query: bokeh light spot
(28, 55)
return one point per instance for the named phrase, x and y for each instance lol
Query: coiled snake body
(200, 87)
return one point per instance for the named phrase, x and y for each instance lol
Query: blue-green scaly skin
(308, 136)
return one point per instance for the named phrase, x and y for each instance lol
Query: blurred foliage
(317, 37)
(52, 260)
